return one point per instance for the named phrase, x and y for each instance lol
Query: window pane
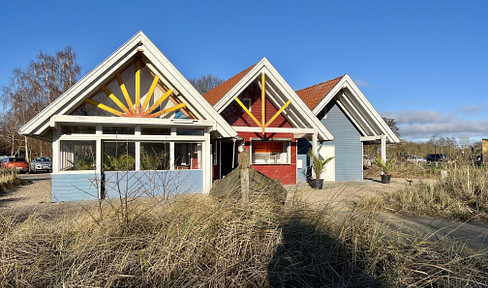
(155, 131)
(118, 130)
(194, 132)
(270, 152)
(78, 129)
(77, 155)
(188, 155)
(119, 156)
(154, 156)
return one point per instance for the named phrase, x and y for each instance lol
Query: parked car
(436, 158)
(16, 163)
(415, 159)
(41, 164)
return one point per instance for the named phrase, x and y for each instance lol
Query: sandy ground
(345, 194)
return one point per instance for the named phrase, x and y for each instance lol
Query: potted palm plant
(318, 166)
(385, 168)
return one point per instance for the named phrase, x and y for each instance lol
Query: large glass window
(270, 152)
(188, 155)
(77, 155)
(155, 156)
(119, 156)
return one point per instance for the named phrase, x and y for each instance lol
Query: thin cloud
(418, 124)
(361, 83)
(471, 109)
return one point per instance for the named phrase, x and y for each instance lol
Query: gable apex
(138, 45)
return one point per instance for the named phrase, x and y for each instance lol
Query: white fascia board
(125, 52)
(167, 69)
(370, 112)
(276, 130)
(120, 57)
(298, 103)
(264, 66)
(239, 87)
(121, 121)
(349, 106)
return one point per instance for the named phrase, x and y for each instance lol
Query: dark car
(41, 164)
(15, 163)
(436, 158)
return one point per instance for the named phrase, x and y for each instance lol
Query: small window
(118, 130)
(247, 103)
(78, 130)
(270, 152)
(192, 132)
(155, 131)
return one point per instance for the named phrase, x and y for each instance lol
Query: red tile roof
(214, 95)
(314, 94)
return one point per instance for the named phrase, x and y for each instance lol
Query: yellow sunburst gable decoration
(263, 124)
(136, 109)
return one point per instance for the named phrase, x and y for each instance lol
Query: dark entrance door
(228, 153)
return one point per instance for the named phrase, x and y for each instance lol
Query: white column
(137, 131)
(56, 151)
(383, 147)
(314, 150)
(207, 164)
(172, 151)
(99, 159)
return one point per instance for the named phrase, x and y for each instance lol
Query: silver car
(41, 164)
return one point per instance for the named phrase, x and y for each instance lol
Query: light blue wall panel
(74, 187)
(152, 183)
(348, 146)
(304, 173)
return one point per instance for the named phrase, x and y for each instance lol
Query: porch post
(56, 151)
(99, 159)
(137, 131)
(383, 147)
(314, 149)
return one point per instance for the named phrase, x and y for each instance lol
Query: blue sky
(422, 62)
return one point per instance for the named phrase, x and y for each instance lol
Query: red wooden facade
(237, 117)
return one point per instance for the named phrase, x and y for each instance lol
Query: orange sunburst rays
(136, 109)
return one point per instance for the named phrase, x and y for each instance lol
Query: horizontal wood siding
(348, 146)
(73, 187)
(152, 183)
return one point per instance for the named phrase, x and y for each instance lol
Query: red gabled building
(268, 123)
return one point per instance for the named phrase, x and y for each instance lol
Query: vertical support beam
(244, 163)
(99, 159)
(138, 86)
(383, 147)
(207, 163)
(56, 150)
(314, 150)
(172, 151)
(137, 131)
(263, 103)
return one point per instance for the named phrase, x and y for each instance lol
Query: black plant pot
(385, 179)
(317, 183)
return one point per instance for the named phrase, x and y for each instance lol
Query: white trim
(348, 114)
(93, 80)
(126, 121)
(297, 109)
(275, 130)
(363, 106)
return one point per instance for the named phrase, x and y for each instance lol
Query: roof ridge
(330, 80)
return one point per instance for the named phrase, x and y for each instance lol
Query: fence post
(244, 164)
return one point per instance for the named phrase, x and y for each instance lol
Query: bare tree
(29, 91)
(206, 82)
(392, 123)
